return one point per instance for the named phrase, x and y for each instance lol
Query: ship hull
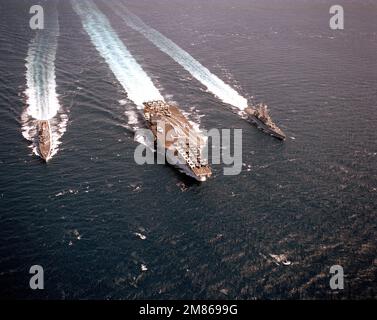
(44, 139)
(263, 127)
(173, 162)
(183, 168)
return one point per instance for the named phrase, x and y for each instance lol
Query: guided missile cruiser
(260, 117)
(178, 137)
(44, 139)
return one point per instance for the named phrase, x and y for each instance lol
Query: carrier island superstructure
(179, 138)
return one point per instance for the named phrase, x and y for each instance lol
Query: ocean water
(104, 227)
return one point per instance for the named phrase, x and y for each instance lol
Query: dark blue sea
(104, 227)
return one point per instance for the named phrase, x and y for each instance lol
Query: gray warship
(260, 117)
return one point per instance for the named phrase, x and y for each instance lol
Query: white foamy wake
(214, 84)
(41, 98)
(135, 81)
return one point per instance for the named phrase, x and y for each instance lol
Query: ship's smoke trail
(197, 70)
(40, 94)
(129, 73)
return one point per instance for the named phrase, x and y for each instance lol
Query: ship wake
(129, 73)
(213, 83)
(41, 98)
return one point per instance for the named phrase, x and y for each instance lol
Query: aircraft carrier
(260, 117)
(44, 139)
(171, 128)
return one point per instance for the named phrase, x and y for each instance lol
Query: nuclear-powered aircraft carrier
(171, 128)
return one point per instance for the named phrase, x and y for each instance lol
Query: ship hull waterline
(263, 127)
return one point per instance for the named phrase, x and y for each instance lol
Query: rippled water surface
(104, 227)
